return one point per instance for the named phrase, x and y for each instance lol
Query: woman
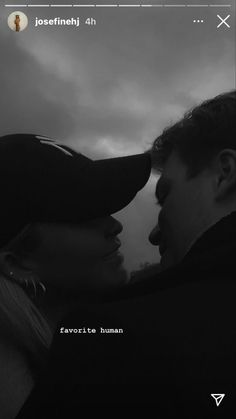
(58, 246)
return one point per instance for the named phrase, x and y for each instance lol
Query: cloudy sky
(109, 89)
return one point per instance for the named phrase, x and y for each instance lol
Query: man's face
(186, 210)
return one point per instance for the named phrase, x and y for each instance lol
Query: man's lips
(162, 248)
(160, 242)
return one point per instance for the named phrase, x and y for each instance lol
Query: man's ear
(225, 165)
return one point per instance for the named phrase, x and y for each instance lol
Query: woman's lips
(112, 252)
(114, 256)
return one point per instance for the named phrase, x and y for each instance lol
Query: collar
(216, 247)
(211, 258)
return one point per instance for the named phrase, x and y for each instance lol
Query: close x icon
(223, 21)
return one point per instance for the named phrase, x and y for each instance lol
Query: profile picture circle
(17, 21)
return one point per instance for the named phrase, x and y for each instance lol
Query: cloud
(29, 97)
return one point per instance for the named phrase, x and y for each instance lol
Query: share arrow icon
(218, 398)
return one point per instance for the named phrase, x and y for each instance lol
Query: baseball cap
(42, 180)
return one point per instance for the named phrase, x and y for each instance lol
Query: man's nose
(114, 227)
(155, 235)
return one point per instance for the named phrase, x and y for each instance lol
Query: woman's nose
(114, 227)
(155, 235)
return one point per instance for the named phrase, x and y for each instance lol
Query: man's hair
(199, 135)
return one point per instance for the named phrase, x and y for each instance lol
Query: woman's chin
(115, 259)
(115, 273)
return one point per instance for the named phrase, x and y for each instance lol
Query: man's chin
(169, 260)
(166, 261)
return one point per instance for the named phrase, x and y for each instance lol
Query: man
(178, 345)
(197, 187)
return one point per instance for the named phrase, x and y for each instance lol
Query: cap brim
(104, 187)
(119, 181)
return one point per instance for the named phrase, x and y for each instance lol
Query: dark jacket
(178, 344)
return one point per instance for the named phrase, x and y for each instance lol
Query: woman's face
(81, 258)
